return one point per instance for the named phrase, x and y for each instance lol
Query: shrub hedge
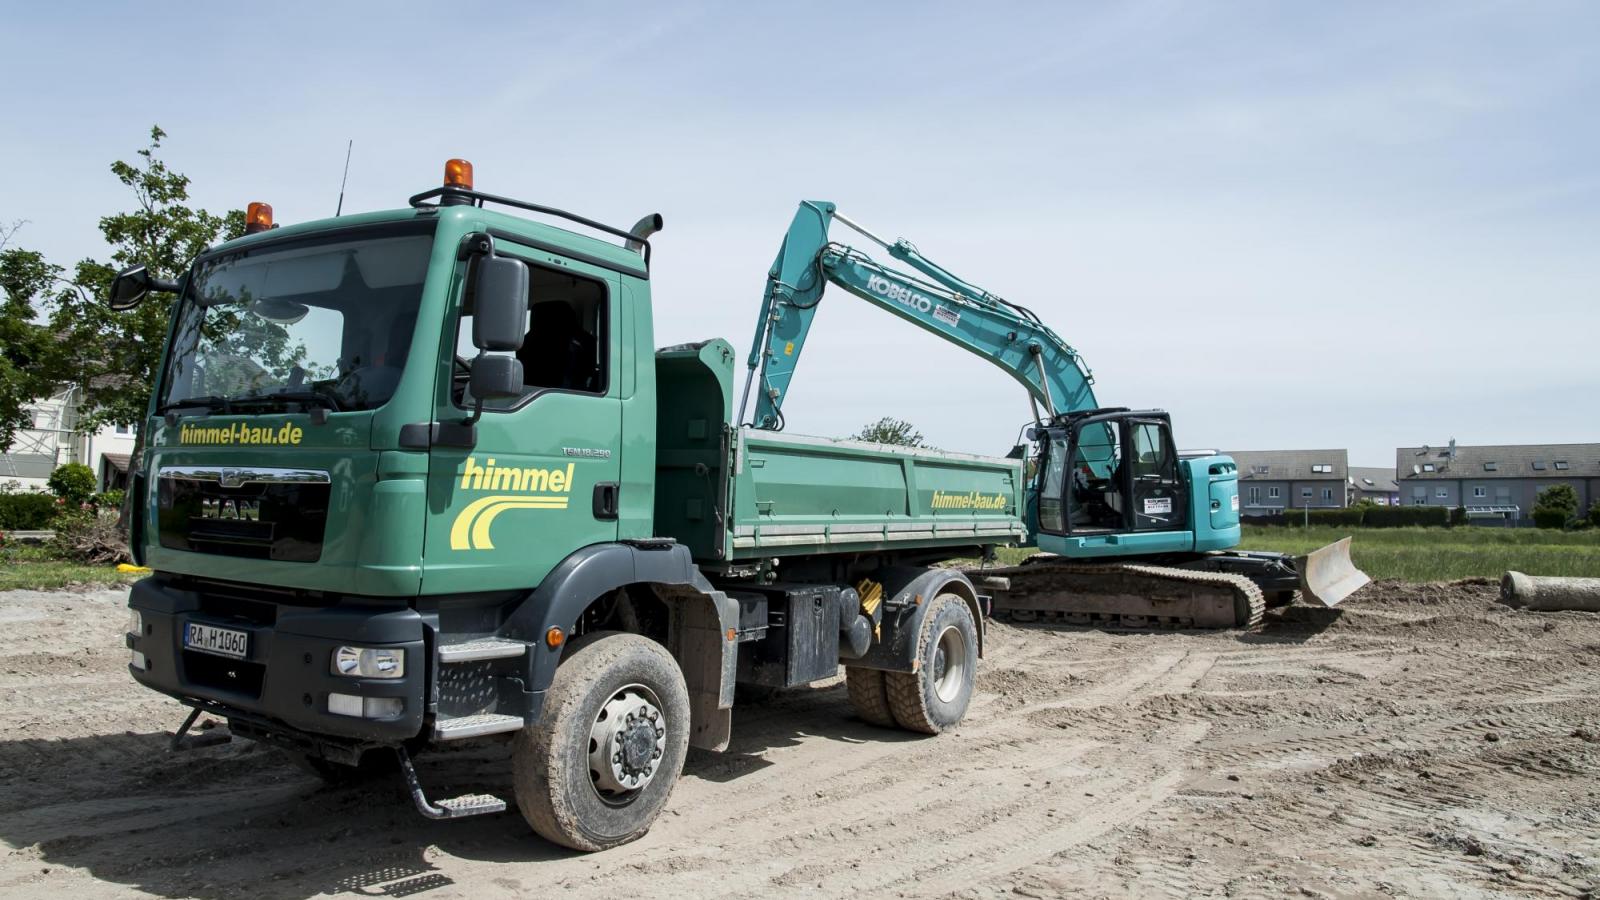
(26, 511)
(1369, 516)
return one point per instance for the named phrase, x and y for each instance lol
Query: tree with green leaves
(889, 430)
(27, 352)
(1556, 506)
(111, 357)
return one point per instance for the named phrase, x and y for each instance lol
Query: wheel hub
(626, 742)
(949, 664)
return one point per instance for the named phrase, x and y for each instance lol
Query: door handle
(605, 499)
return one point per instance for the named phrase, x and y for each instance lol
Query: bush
(1343, 517)
(1403, 516)
(26, 512)
(1458, 516)
(1594, 514)
(72, 482)
(1556, 506)
(111, 499)
(91, 537)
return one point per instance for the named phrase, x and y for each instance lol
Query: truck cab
(420, 476)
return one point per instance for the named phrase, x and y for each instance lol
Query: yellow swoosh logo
(470, 530)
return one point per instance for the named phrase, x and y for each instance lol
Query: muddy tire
(935, 697)
(869, 695)
(598, 766)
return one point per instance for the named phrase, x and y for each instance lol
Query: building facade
(1273, 481)
(1497, 484)
(1374, 486)
(54, 439)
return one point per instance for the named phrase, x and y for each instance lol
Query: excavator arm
(1006, 335)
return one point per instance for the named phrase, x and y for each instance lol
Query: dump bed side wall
(794, 494)
(731, 494)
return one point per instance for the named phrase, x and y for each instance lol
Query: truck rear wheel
(935, 697)
(868, 695)
(598, 766)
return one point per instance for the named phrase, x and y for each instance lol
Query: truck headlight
(369, 662)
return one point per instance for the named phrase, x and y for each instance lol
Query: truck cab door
(541, 479)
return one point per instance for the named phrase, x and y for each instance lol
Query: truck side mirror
(500, 318)
(128, 288)
(496, 377)
(131, 286)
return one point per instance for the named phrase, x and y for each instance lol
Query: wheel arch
(907, 592)
(699, 616)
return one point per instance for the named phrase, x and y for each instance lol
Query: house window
(1502, 494)
(1491, 466)
(1255, 496)
(1419, 496)
(1327, 494)
(1305, 493)
(1480, 491)
(1322, 468)
(1428, 467)
(1260, 470)
(123, 429)
(1538, 465)
(1442, 493)
(1367, 482)
(1561, 464)
(1273, 493)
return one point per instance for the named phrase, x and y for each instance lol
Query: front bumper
(285, 677)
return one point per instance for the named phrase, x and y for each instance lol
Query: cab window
(564, 348)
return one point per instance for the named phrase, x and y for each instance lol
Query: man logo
(538, 489)
(230, 508)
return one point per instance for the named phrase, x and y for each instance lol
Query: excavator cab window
(1158, 498)
(1111, 474)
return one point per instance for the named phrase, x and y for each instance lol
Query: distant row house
(1271, 481)
(1497, 484)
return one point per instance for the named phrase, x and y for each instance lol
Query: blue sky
(1293, 225)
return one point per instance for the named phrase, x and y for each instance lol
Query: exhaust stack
(643, 229)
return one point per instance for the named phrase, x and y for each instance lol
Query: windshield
(323, 322)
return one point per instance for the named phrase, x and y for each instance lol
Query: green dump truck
(421, 476)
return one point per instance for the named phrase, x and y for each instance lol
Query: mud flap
(702, 644)
(1327, 575)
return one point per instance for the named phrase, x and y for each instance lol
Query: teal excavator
(1132, 532)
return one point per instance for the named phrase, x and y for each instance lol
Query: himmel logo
(538, 489)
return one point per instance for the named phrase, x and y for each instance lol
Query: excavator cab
(1107, 472)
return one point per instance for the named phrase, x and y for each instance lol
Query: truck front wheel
(598, 766)
(935, 697)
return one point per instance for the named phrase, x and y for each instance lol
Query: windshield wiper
(212, 404)
(327, 401)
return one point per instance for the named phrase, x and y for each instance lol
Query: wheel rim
(949, 664)
(626, 743)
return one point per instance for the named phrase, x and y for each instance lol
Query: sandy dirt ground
(1422, 741)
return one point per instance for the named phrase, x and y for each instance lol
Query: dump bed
(741, 493)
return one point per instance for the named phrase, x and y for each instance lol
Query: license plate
(218, 641)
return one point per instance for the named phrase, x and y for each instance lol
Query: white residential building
(54, 439)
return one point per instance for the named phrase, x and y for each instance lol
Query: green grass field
(32, 567)
(1431, 554)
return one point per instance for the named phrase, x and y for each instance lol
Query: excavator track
(1123, 595)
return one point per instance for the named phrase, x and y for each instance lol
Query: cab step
(453, 808)
(488, 648)
(474, 726)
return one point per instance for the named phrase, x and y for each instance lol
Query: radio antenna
(347, 148)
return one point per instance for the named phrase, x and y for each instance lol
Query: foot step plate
(474, 726)
(472, 805)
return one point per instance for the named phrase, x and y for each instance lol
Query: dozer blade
(1327, 575)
